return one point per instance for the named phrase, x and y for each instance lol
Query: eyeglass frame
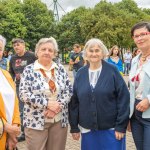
(141, 35)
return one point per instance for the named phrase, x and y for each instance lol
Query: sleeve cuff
(75, 130)
(148, 96)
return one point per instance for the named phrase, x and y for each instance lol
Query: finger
(118, 137)
(138, 106)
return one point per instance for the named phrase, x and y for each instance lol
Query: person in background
(45, 90)
(3, 60)
(127, 62)
(57, 58)
(76, 59)
(10, 53)
(114, 58)
(136, 52)
(99, 107)
(139, 78)
(9, 109)
(17, 63)
(5, 54)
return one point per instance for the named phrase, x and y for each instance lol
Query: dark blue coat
(104, 108)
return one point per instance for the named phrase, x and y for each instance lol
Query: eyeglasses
(141, 35)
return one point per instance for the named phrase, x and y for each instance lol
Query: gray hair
(46, 40)
(3, 40)
(94, 41)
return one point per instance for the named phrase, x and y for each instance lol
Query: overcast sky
(69, 5)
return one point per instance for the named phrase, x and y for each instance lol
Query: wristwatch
(1, 127)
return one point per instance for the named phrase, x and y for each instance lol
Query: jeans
(126, 68)
(140, 128)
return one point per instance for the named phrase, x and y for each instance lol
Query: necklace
(143, 58)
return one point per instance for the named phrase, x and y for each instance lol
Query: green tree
(69, 30)
(12, 20)
(39, 21)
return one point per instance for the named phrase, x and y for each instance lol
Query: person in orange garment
(9, 109)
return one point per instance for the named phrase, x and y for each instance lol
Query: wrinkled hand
(54, 106)
(76, 136)
(143, 105)
(119, 135)
(12, 129)
(12, 142)
(49, 114)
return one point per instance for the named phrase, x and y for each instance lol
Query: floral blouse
(35, 101)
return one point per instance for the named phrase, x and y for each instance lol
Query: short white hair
(46, 40)
(3, 40)
(94, 41)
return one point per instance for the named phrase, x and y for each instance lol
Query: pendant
(143, 58)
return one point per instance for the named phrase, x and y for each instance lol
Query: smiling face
(46, 53)
(94, 54)
(141, 38)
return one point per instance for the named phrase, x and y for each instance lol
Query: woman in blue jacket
(115, 59)
(99, 107)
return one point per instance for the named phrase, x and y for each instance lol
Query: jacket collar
(146, 67)
(9, 79)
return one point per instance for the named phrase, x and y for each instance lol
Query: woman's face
(94, 54)
(115, 50)
(142, 38)
(46, 52)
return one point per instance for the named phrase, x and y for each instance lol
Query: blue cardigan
(104, 108)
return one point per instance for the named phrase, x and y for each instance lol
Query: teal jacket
(146, 80)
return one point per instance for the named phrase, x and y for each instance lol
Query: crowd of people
(38, 101)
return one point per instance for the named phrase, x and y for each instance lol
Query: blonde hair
(46, 40)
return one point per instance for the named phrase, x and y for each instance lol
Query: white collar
(38, 66)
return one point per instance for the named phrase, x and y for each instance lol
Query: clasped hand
(13, 131)
(54, 108)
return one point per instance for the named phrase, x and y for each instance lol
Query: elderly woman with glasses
(139, 78)
(45, 90)
(99, 107)
(9, 109)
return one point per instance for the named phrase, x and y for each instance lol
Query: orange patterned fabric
(50, 81)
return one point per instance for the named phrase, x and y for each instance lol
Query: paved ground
(75, 145)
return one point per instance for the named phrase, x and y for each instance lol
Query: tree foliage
(31, 20)
(107, 21)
